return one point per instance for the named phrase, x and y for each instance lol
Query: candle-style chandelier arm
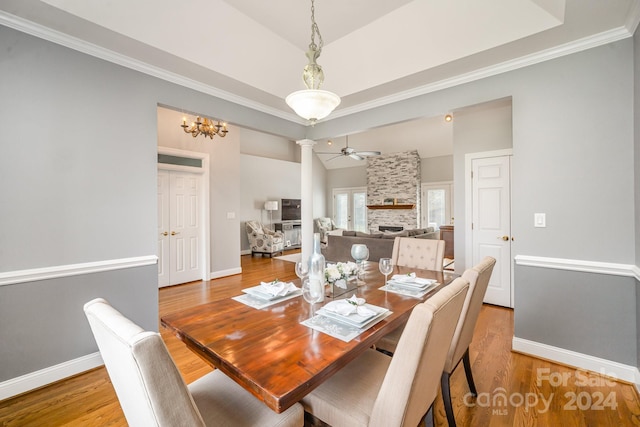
(204, 127)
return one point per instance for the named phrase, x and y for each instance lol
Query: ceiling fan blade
(368, 153)
(326, 152)
(334, 157)
(356, 156)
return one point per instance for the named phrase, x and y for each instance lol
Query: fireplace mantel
(391, 206)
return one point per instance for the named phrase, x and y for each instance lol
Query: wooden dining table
(269, 353)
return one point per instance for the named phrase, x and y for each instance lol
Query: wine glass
(360, 253)
(302, 269)
(385, 267)
(312, 290)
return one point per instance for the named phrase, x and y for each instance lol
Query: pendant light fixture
(313, 103)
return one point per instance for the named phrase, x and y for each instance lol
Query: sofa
(380, 245)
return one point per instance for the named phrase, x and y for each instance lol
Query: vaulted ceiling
(375, 51)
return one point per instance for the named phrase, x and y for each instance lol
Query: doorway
(183, 217)
(350, 208)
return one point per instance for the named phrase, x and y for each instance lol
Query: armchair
(323, 226)
(262, 240)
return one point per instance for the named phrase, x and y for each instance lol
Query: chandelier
(204, 127)
(312, 103)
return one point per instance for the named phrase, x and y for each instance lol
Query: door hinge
(471, 174)
(472, 226)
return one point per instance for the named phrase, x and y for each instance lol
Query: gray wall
(636, 121)
(436, 169)
(550, 295)
(79, 189)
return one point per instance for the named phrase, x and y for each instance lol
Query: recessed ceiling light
(329, 142)
(448, 118)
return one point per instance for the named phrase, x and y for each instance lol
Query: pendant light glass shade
(313, 104)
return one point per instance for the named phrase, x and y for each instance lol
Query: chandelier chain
(315, 30)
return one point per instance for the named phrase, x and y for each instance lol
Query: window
(437, 204)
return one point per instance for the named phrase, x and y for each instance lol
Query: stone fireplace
(393, 177)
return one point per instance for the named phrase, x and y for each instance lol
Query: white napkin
(345, 307)
(277, 288)
(411, 278)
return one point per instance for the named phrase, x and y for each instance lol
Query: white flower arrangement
(338, 274)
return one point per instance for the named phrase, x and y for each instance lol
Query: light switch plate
(231, 215)
(539, 220)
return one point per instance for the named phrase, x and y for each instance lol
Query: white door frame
(205, 248)
(468, 202)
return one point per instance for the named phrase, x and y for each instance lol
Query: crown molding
(77, 44)
(511, 65)
(54, 36)
(633, 18)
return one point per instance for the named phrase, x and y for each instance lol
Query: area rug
(291, 258)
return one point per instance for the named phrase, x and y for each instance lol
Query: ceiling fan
(351, 152)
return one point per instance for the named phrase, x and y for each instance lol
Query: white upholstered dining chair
(376, 390)
(478, 278)
(425, 254)
(151, 390)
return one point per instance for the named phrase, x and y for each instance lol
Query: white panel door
(179, 227)
(163, 229)
(491, 181)
(184, 216)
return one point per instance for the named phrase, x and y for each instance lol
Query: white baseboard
(582, 361)
(224, 273)
(245, 252)
(33, 380)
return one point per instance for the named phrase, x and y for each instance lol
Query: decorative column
(306, 186)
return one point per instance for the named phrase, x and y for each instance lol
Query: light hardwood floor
(515, 389)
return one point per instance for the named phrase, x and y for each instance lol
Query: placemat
(338, 329)
(259, 303)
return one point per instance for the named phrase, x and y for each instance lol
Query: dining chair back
(411, 383)
(377, 390)
(151, 390)
(425, 254)
(478, 278)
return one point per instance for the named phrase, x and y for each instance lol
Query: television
(291, 210)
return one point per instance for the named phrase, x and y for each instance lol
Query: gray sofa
(380, 245)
